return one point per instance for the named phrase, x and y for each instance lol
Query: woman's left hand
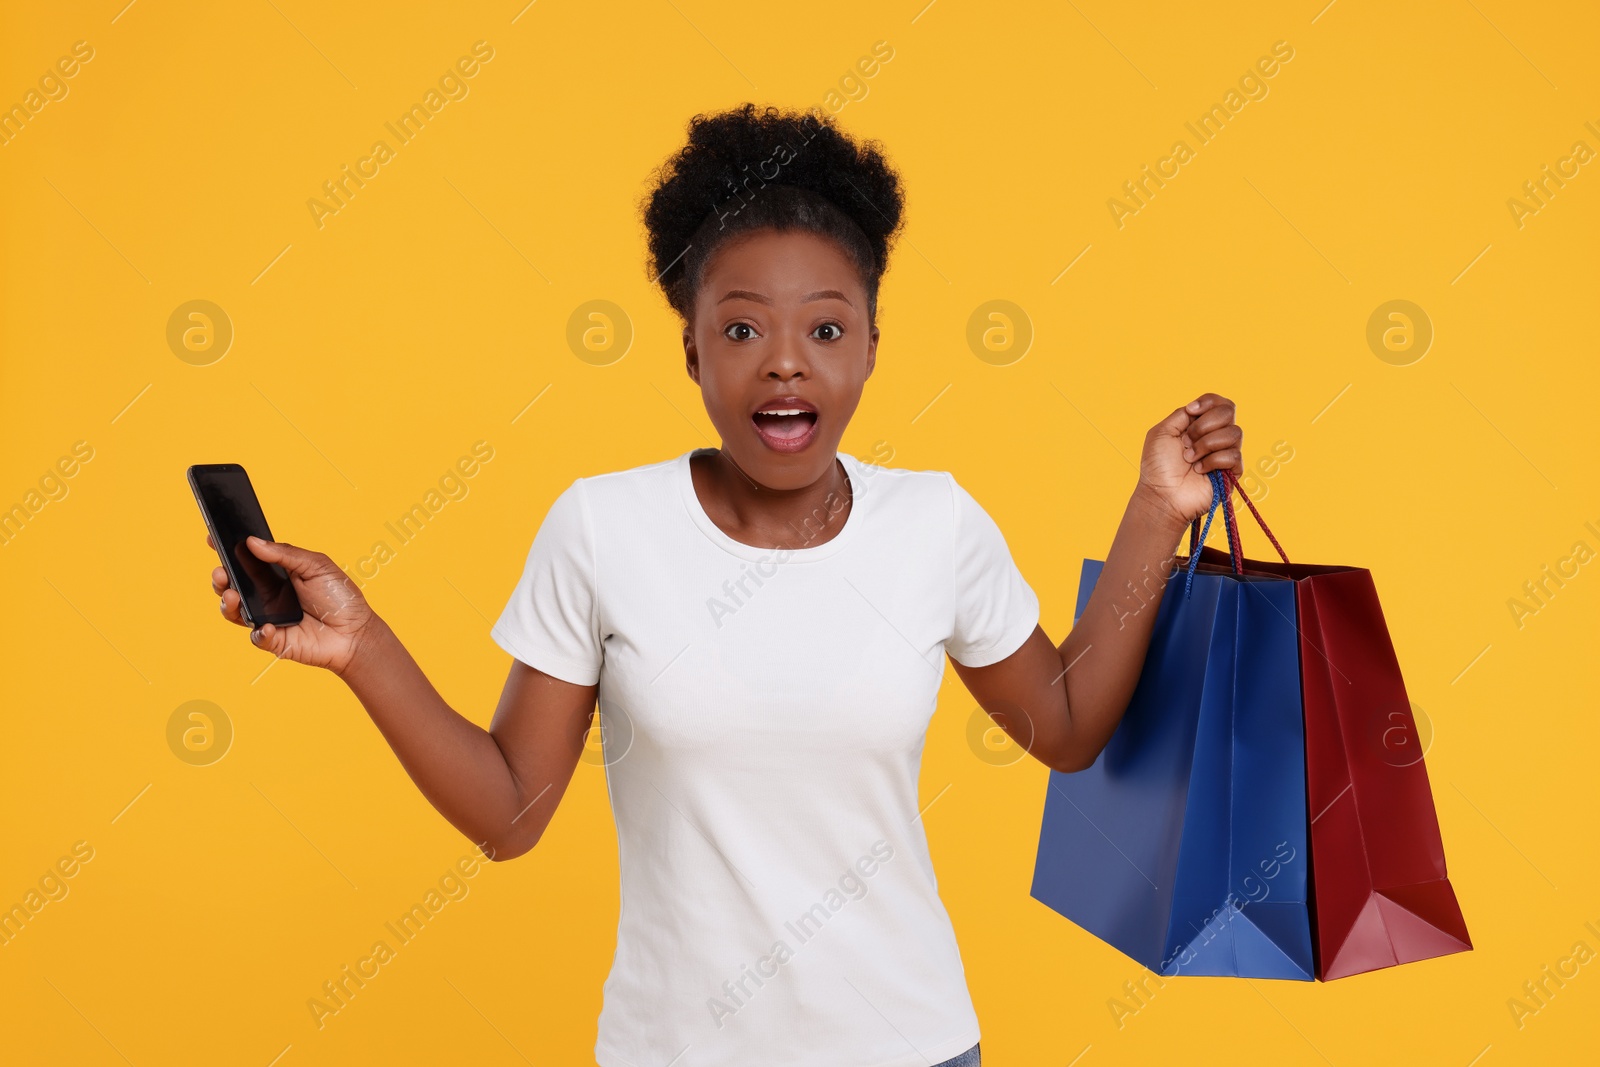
(1182, 450)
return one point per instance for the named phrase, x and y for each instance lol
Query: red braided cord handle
(1233, 482)
(1235, 546)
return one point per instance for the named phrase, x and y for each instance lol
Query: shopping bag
(1184, 845)
(1380, 892)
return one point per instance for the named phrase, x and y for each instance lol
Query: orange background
(432, 310)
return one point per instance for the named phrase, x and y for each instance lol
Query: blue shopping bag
(1184, 845)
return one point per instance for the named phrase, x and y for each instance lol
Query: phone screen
(233, 513)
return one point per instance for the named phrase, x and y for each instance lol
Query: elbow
(503, 849)
(509, 836)
(1075, 758)
(503, 853)
(1081, 743)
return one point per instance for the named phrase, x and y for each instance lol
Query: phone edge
(216, 540)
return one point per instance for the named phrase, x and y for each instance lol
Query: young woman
(764, 626)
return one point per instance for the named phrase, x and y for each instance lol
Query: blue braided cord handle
(1219, 493)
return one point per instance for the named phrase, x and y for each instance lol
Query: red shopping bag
(1380, 894)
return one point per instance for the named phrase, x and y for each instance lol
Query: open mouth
(786, 425)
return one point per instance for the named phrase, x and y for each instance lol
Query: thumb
(295, 560)
(1174, 425)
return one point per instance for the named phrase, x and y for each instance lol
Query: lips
(785, 423)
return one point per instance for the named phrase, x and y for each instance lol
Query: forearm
(455, 763)
(1104, 653)
(1063, 702)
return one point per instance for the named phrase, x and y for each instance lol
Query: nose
(786, 358)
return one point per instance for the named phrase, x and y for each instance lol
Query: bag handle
(1223, 483)
(1197, 536)
(1233, 481)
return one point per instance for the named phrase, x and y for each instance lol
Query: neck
(791, 518)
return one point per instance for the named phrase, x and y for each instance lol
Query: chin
(773, 469)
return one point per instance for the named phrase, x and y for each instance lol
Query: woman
(764, 625)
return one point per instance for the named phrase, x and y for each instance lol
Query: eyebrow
(820, 294)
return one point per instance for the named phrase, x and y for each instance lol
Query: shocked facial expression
(781, 347)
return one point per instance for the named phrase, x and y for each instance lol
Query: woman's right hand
(336, 614)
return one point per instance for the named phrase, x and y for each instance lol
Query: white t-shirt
(762, 716)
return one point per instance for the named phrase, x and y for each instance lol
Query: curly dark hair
(746, 169)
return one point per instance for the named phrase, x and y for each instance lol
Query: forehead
(780, 264)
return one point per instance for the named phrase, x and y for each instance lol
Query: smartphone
(231, 511)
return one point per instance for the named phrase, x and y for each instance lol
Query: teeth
(781, 411)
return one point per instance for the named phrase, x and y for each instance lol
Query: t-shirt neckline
(716, 535)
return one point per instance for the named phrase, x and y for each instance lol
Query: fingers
(1212, 435)
(1214, 417)
(229, 604)
(228, 599)
(269, 638)
(1200, 416)
(1229, 437)
(1205, 402)
(1226, 459)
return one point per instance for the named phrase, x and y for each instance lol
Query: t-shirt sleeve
(996, 609)
(552, 621)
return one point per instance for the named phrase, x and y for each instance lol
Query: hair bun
(722, 182)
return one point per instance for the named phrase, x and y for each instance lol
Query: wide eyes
(743, 331)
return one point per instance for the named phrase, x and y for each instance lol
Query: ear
(872, 351)
(691, 356)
